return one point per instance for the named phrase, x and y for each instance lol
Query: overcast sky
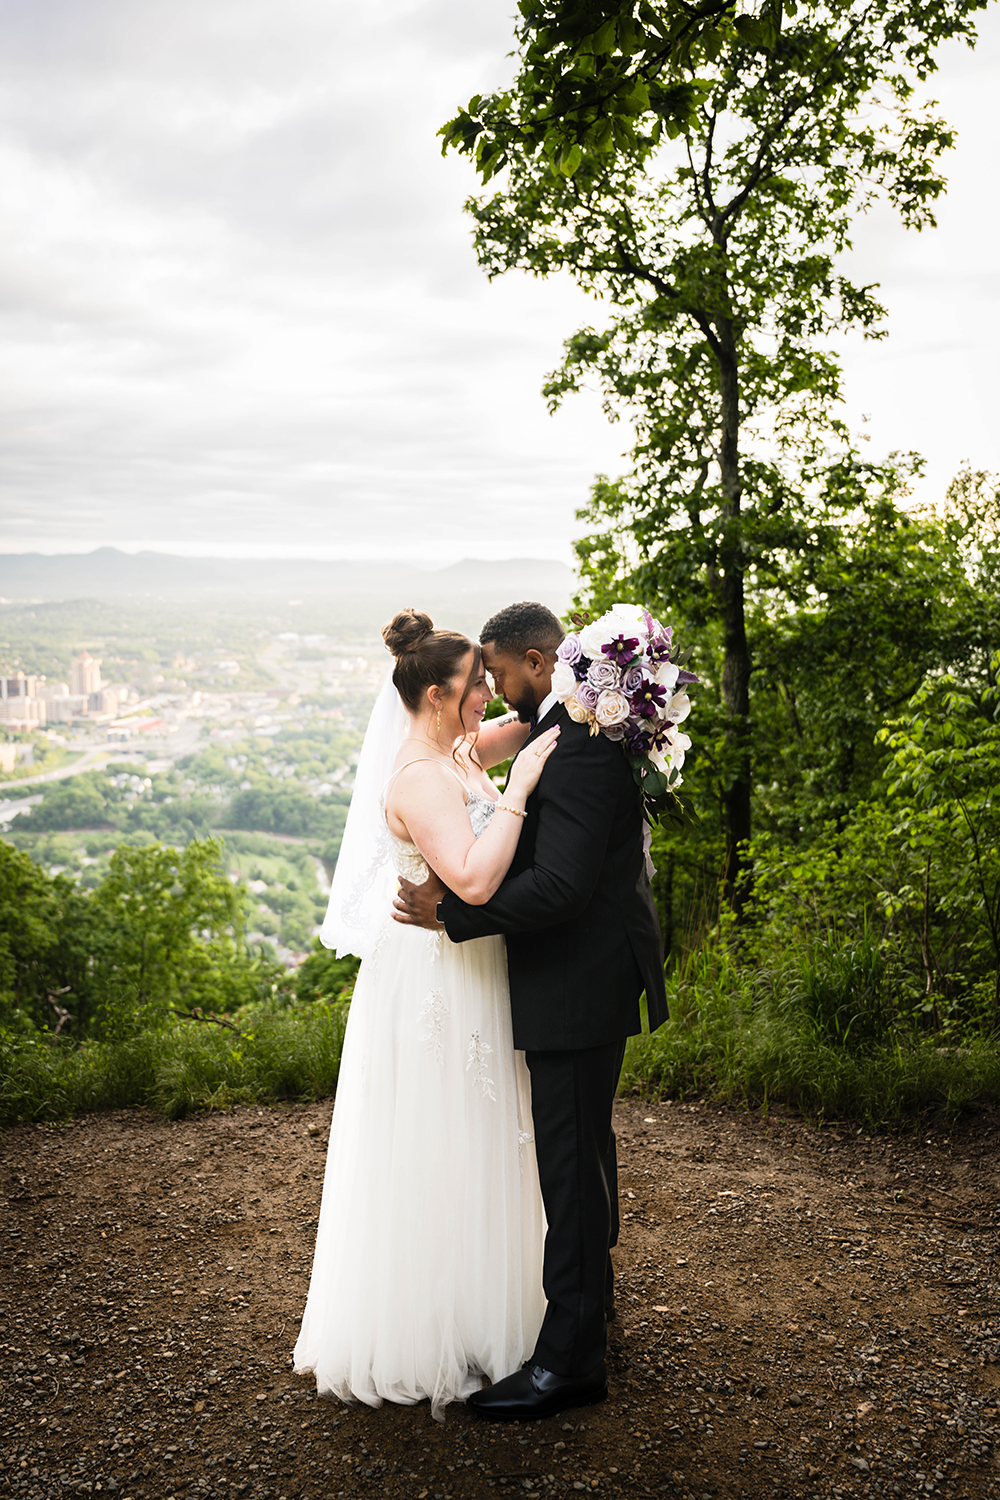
(240, 313)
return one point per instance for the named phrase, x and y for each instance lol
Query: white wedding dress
(428, 1265)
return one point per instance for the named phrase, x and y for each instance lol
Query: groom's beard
(525, 710)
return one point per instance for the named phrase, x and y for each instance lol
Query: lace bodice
(406, 857)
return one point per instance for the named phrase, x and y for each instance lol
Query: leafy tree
(945, 792)
(842, 646)
(164, 911)
(84, 801)
(587, 71)
(715, 238)
(324, 976)
(30, 919)
(275, 810)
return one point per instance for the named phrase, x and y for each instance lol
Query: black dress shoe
(533, 1392)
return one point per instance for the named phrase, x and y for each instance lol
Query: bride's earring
(437, 723)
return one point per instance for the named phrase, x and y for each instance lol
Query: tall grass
(279, 1053)
(816, 1030)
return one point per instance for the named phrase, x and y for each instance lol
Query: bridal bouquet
(616, 675)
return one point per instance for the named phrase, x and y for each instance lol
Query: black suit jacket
(583, 937)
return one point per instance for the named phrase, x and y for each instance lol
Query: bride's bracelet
(502, 807)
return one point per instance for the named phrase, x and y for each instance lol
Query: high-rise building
(103, 702)
(84, 675)
(19, 704)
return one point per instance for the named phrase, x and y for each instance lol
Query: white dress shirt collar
(549, 701)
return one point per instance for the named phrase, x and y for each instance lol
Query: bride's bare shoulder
(423, 775)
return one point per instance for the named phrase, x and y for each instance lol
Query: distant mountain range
(109, 574)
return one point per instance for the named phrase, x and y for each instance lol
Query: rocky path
(801, 1313)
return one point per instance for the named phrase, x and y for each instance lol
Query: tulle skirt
(428, 1264)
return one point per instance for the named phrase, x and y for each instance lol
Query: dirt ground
(802, 1312)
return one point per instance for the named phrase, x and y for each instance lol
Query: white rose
(576, 711)
(629, 620)
(593, 637)
(612, 708)
(678, 708)
(563, 680)
(666, 675)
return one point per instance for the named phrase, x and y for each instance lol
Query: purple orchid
(649, 701)
(659, 735)
(621, 650)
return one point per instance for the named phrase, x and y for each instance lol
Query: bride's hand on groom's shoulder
(416, 905)
(526, 771)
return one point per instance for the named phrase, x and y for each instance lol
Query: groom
(583, 941)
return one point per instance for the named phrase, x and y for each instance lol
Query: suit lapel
(547, 723)
(551, 718)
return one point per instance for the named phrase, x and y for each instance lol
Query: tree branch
(192, 1015)
(63, 1015)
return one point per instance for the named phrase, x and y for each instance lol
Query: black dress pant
(571, 1098)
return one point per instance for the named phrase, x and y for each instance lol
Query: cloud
(238, 301)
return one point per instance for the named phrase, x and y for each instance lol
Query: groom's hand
(416, 905)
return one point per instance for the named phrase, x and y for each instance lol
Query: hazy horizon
(240, 313)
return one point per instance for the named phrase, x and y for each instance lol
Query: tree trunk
(736, 651)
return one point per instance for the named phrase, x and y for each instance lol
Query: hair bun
(406, 631)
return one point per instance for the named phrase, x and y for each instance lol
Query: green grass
(817, 1031)
(816, 1034)
(291, 1053)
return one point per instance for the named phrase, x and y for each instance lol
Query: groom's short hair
(520, 628)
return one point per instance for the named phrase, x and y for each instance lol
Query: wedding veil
(364, 880)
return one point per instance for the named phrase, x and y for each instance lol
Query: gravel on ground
(802, 1312)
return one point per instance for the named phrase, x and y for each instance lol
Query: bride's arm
(499, 739)
(427, 802)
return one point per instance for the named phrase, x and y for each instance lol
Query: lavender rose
(587, 695)
(634, 678)
(603, 674)
(570, 650)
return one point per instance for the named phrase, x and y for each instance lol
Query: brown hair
(426, 657)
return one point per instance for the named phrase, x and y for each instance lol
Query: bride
(427, 1269)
